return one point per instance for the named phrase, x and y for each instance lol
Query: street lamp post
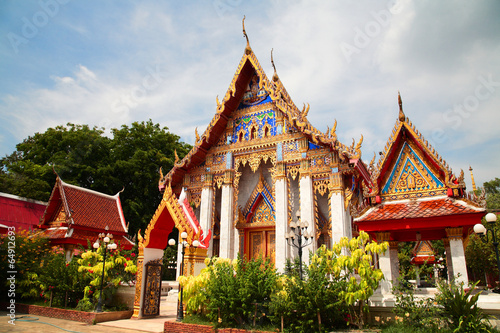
(105, 239)
(299, 230)
(171, 242)
(484, 234)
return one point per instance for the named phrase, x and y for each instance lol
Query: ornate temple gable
(167, 215)
(255, 113)
(409, 164)
(410, 174)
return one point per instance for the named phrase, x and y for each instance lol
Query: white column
(449, 264)
(340, 225)
(457, 255)
(388, 264)
(393, 254)
(226, 222)
(458, 260)
(207, 194)
(385, 266)
(281, 245)
(307, 212)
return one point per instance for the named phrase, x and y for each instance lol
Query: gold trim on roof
(169, 201)
(292, 116)
(404, 122)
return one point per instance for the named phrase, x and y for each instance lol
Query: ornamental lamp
(479, 229)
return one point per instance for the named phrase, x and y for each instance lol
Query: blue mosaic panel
(313, 146)
(259, 121)
(321, 161)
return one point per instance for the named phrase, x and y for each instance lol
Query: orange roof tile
(418, 209)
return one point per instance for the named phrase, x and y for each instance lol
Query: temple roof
(77, 214)
(414, 191)
(410, 168)
(22, 213)
(411, 209)
(297, 118)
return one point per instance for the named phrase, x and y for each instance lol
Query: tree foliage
(120, 267)
(492, 189)
(130, 159)
(480, 256)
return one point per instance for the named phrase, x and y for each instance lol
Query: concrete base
(381, 305)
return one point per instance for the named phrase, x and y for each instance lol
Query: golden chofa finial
(402, 116)
(472, 178)
(275, 75)
(248, 50)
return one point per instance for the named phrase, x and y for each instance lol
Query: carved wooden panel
(152, 292)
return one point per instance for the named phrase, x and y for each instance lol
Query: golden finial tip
(402, 116)
(248, 49)
(275, 76)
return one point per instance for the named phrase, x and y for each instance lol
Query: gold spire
(472, 177)
(247, 49)
(402, 116)
(275, 76)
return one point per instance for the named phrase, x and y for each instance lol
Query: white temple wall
(247, 183)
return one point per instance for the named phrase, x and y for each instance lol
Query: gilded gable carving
(410, 174)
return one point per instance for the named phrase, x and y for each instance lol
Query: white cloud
(433, 52)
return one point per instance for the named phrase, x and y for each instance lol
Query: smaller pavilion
(76, 215)
(415, 194)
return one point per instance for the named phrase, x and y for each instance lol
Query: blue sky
(108, 63)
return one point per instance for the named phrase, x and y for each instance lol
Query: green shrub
(29, 252)
(311, 304)
(414, 312)
(119, 267)
(459, 308)
(238, 292)
(61, 280)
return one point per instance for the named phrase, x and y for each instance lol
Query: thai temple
(260, 161)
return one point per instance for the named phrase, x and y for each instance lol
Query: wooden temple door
(261, 243)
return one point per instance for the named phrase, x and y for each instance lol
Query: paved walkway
(168, 312)
(40, 324)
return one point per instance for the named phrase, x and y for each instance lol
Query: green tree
(492, 189)
(480, 256)
(75, 151)
(136, 154)
(353, 262)
(84, 156)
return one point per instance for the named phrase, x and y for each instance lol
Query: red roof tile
(86, 208)
(417, 209)
(20, 212)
